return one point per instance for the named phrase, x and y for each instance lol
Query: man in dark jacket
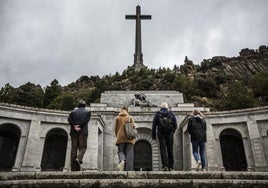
(165, 125)
(78, 120)
(197, 128)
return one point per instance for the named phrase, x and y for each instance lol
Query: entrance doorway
(142, 156)
(232, 149)
(54, 153)
(9, 141)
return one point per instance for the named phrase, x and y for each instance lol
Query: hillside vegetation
(220, 83)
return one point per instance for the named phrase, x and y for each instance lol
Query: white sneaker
(165, 168)
(198, 165)
(121, 166)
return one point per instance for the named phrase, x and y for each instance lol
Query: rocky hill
(220, 83)
(204, 84)
(242, 68)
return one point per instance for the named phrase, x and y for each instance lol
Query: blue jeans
(199, 148)
(125, 152)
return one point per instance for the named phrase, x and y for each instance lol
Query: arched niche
(142, 156)
(144, 135)
(232, 149)
(54, 153)
(9, 140)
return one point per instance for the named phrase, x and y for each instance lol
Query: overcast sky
(43, 40)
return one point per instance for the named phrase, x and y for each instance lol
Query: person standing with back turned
(78, 119)
(124, 144)
(165, 125)
(197, 128)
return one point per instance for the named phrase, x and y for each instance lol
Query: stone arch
(237, 128)
(144, 135)
(142, 156)
(54, 153)
(232, 150)
(9, 141)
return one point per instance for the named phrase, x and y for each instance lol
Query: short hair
(164, 105)
(124, 108)
(81, 103)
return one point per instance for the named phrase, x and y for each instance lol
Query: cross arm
(131, 17)
(145, 17)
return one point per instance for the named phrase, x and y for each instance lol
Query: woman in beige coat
(125, 145)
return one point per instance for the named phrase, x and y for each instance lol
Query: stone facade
(36, 132)
(250, 125)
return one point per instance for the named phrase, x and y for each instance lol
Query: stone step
(134, 179)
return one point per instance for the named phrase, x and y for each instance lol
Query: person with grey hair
(164, 126)
(197, 128)
(78, 119)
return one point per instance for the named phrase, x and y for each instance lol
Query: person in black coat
(197, 128)
(165, 135)
(78, 119)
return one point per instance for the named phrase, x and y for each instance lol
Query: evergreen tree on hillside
(65, 101)
(51, 92)
(7, 94)
(237, 97)
(29, 94)
(259, 85)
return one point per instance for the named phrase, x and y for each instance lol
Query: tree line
(218, 91)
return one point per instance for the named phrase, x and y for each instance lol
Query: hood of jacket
(123, 113)
(198, 118)
(164, 110)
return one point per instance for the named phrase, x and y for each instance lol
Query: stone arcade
(34, 139)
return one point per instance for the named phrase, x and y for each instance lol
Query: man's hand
(77, 128)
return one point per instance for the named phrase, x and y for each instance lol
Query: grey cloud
(64, 39)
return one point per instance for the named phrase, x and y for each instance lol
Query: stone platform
(115, 179)
(123, 98)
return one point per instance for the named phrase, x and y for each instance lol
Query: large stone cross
(138, 61)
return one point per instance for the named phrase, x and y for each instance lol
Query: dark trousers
(125, 152)
(78, 149)
(166, 141)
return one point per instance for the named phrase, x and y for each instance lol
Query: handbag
(130, 129)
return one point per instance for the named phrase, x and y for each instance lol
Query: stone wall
(251, 124)
(34, 125)
(124, 98)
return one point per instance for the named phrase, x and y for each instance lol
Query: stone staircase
(115, 179)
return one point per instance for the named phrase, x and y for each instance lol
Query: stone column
(20, 153)
(67, 165)
(90, 160)
(193, 162)
(110, 158)
(211, 153)
(256, 144)
(32, 152)
(100, 148)
(42, 145)
(178, 151)
(219, 154)
(248, 154)
(187, 150)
